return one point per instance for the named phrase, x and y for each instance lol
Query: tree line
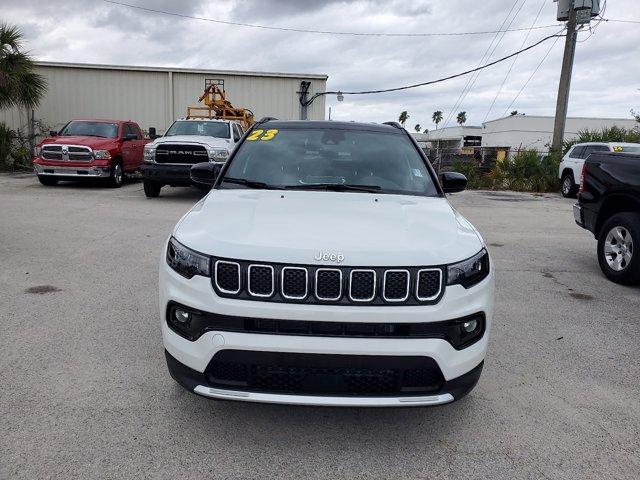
(435, 118)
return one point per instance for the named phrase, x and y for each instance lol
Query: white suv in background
(571, 165)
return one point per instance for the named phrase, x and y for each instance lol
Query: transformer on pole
(574, 12)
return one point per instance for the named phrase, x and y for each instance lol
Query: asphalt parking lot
(84, 391)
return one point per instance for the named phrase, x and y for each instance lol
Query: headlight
(37, 151)
(187, 262)
(101, 154)
(149, 153)
(218, 155)
(470, 271)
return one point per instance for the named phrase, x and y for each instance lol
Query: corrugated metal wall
(145, 96)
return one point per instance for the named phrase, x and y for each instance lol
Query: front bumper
(197, 383)
(188, 360)
(178, 175)
(72, 171)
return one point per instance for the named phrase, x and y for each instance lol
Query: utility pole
(304, 92)
(565, 81)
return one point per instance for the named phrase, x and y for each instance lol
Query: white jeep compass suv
(326, 267)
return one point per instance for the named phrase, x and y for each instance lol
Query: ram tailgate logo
(329, 257)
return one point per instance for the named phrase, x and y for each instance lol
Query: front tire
(117, 175)
(569, 187)
(617, 245)
(48, 181)
(151, 188)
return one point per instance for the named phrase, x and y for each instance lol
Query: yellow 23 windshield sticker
(263, 135)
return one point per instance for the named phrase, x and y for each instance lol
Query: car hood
(295, 226)
(203, 140)
(95, 143)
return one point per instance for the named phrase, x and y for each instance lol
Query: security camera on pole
(574, 12)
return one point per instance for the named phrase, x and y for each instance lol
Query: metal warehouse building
(154, 97)
(535, 132)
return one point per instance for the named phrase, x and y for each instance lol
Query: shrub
(14, 150)
(526, 171)
(475, 175)
(605, 134)
(7, 141)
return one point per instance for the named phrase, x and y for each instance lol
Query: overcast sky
(606, 78)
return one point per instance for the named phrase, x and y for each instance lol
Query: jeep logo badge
(329, 257)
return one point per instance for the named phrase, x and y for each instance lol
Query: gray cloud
(605, 72)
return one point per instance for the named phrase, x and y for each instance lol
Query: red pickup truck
(106, 149)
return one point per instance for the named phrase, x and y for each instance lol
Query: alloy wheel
(618, 248)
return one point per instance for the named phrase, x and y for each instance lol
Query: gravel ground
(84, 391)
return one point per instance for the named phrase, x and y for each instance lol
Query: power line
(532, 74)
(619, 20)
(431, 82)
(592, 30)
(514, 61)
(321, 32)
(484, 55)
(474, 79)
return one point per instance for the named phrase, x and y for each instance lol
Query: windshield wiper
(335, 187)
(249, 183)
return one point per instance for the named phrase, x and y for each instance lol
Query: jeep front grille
(261, 280)
(227, 277)
(182, 154)
(295, 283)
(362, 285)
(328, 284)
(396, 285)
(275, 282)
(428, 283)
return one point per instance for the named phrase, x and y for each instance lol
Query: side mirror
(129, 136)
(152, 133)
(453, 182)
(205, 173)
(53, 133)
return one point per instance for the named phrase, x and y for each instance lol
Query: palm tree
(437, 117)
(404, 116)
(418, 127)
(20, 86)
(461, 118)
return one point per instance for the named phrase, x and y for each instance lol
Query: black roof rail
(393, 124)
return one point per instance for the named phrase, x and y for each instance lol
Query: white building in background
(458, 137)
(422, 138)
(535, 132)
(154, 96)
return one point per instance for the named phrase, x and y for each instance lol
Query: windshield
(207, 129)
(90, 129)
(353, 160)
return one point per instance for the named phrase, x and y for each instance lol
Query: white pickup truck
(168, 159)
